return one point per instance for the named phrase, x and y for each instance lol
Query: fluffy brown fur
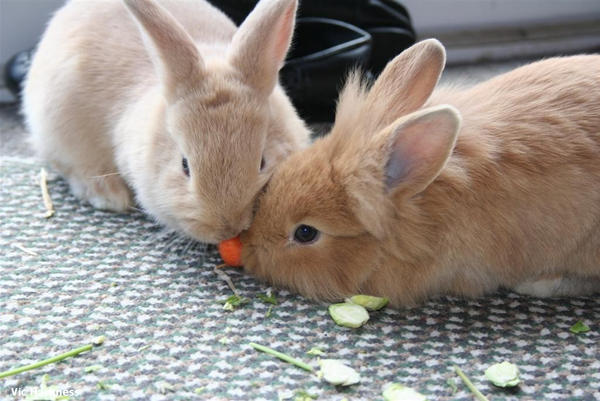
(120, 91)
(411, 203)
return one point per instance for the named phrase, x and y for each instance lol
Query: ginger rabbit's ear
(418, 147)
(402, 159)
(259, 47)
(171, 49)
(406, 82)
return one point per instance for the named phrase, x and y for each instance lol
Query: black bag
(333, 36)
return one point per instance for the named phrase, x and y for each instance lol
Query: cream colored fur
(414, 198)
(119, 92)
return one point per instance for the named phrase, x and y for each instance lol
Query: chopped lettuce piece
(503, 374)
(399, 392)
(348, 314)
(369, 302)
(338, 374)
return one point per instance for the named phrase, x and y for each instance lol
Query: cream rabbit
(170, 102)
(404, 200)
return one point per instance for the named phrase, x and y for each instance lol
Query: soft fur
(120, 91)
(412, 203)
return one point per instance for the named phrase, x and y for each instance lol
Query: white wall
(477, 30)
(451, 15)
(21, 24)
(472, 30)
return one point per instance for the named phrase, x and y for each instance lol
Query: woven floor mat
(84, 273)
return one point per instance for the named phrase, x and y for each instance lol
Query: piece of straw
(45, 194)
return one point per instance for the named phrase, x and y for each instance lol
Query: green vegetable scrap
(163, 387)
(369, 302)
(399, 392)
(267, 298)
(579, 327)
(46, 393)
(269, 311)
(348, 314)
(102, 385)
(92, 368)
(337, 373)
(302, 395)
(56, 358)
(452, 384)
(233, 302)
(99, 340)
(282, 356)
(503, 374)
(469, 384)
(315, 351)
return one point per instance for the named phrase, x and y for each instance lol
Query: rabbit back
(526, 175)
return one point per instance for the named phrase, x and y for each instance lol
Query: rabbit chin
(208, 228)
(205, 231)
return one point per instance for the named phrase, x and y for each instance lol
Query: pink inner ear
(410, 151)
(284, 33)
(420, 149)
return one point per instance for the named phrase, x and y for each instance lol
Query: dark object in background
(315, 67)
(367, 34)
(15, 71)
(332, 36)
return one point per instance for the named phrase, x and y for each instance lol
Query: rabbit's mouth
(248, 253)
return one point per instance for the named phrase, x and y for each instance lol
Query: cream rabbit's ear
(261, 43)
(171, 48)
(406, 82)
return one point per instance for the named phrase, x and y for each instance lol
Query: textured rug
(155, 297)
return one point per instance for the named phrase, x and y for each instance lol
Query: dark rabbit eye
(185, 167)
(306, 234)
(262, 164)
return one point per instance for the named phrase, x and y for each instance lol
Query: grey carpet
(84, 273)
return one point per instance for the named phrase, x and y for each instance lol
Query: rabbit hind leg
(562, 286)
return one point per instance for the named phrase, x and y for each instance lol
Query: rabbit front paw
(105, 192)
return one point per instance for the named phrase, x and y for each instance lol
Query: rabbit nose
(233, 228)
(228, 232)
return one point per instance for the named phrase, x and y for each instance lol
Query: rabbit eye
(262, 164)
(185, 167)
(306, 234)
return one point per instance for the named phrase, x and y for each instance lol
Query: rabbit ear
(406, 82)
(419, 146)
(403, 158)
(260, 45)
(172, 50)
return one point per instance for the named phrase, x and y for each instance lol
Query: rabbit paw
(103, 192)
